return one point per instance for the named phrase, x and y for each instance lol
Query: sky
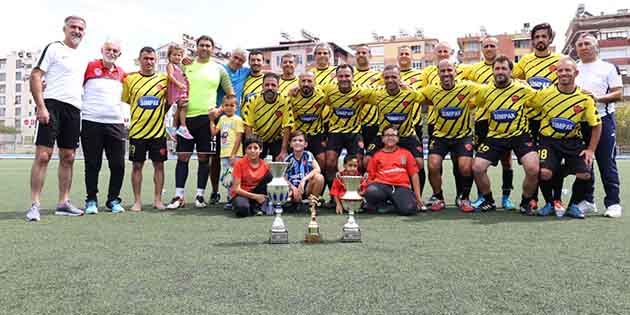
(31, 24)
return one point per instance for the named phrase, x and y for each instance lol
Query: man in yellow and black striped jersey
(481, 72)
(324, 70)
(563, 106)
(538, 68)
(307, 106)
(269, 116)
(254, 82)
(145, 92)
(364, 76)
(505, 104)
(451, 101)
(288, 79)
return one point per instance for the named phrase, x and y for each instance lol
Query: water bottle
(342, 156)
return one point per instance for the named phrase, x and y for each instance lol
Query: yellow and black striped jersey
(563, 112)
(480, 72)
(397, 110)
(431, 76)
(413, 78)
(253, 86)
(287, 85)
(324, 76)
(146, 96)
(505, 109)
(344, 108)
(539, 72)
(368, 78)
(451, 108)
(308, 112)
(268, 120)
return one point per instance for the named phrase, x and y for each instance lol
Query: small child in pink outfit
(177, 89)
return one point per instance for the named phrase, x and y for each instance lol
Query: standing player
(323, 70)
(307, 107)
(269, 116)
(254, 83)
(288, 80)
(145, 92)
(563, 107)
(481, 72)
(504, 104)
(364, 76)
(538, 68)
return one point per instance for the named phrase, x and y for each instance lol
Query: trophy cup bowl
(312, 229)
(278, 193)
(351, 201)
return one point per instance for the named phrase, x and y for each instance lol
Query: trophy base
(312, 238)
(279, 237)
(349, 236)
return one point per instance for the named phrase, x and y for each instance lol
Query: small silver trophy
(351, 201)
(278, 192)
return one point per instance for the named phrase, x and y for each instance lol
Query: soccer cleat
(200, 202)
(116, 207)
(227, 206)
(478, 202)
(431, 200)
(558, 206)
(587, 207)
(614, 211)
(68, 209)
(546, 210)
(506, 203)
(458, 201)
(32, 214)
(215, 198)
(529, 208)
(184, 133)
(91, 207)
(486, 206)
(438, 205)
(465, 206)
(172, 133)
(177, 202)
(575, 212)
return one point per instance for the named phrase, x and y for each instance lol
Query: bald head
(489, 47)
(442, 51)
(447, 73)
(307, 83)
(567, 71)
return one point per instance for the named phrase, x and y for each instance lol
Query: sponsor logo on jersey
(562, 124)
(503, 115)
(98, 72)
(149, 102)
(539, 83)
(343, 112)
(395, 117)
(307, 118)
(450, 113)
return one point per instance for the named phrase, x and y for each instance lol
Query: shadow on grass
(324, 242)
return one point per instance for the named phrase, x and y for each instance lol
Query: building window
(3, 100)
(517, 58)
(3, 64)
(18, 112)
(416, 49)
(18, 99)
(428, 47)
(377, 51)
(18, 75)
(3, 111)
(377, 66)
(613, 35)
(19, 64)
(3, 89)
(162, 54)
(522, 43)
(267, 61)
(17, 124)
(472, 46)
(298, 60)
(3, 77)
(18, 88)
(310, 59)
(607, 53)
(417, 64)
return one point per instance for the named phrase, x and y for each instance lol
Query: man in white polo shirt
(603, 81)
(102, 127)
(58, 114)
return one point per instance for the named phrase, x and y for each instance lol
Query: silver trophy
(351, 201)
(278, 192)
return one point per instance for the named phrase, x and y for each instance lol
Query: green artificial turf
(193, 261)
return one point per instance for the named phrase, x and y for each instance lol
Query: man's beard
(269, 95)
(307, 90)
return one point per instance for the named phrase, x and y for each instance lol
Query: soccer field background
(206, 261)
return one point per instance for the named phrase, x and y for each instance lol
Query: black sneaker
(200, 202)
(529, 208)
(215, 198)
(486, 206)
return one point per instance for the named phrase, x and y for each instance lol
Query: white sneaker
(614, 211)
(587, 207)
(68, 209)
(33, 213)
(200, 202)
(177, 202)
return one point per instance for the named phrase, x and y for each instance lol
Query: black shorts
(316, 144)
(534, 130)
(369, 135)
(481, 132)
(156, 148)
(199, 128)
(338, 141)
(456, 147)
(271, 147)
(494, 149)
(552, 151)
(409, 143)
(64, 126)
